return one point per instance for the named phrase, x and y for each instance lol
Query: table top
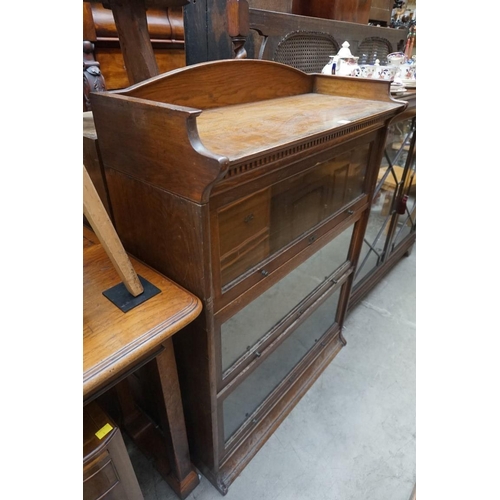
(114, 342)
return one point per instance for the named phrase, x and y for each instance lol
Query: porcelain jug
(346, 62)
(330, 67)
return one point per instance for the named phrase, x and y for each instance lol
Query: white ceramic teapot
(344, 63)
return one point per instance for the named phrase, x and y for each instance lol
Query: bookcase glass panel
(397, 167)
(261, 225)
(250, 393)
(243, 330)
(406, 221)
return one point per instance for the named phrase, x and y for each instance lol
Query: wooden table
(117, 344)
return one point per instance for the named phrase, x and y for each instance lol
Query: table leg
(153, 417)
(182, 478)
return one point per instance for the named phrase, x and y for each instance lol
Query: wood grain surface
(242, 126)
(96, 214)
(185, 113)
(255, 127)
(114, 341)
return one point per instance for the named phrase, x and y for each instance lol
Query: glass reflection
(259, 226)
(381, 236)
(246, 398)
(248, 326)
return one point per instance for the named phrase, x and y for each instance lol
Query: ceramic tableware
(385, 73)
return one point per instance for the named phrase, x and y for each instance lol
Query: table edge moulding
(118, 344)
(229, 177)
(107, 356)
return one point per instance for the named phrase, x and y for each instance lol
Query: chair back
(372, 48)
(308, 51)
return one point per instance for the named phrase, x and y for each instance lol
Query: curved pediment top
(223, 83)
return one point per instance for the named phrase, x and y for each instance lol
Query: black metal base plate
(125, 301)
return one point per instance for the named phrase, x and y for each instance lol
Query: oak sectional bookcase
(249, 183)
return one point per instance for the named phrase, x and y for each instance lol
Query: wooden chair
(372, 48)
(277, 36)
(308, 51)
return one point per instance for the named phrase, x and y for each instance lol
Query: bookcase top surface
(241, 130)
(184, 130)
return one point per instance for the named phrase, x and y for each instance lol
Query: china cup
(367, 70)
(385, 73)
(408, 71)
(363, 71)
(396, 58)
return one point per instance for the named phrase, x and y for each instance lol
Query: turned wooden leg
(238, 26)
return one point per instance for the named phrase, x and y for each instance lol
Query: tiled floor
(352, 436)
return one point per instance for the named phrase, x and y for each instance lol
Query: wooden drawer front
(243, 234)
(240, 405)
(99, 478)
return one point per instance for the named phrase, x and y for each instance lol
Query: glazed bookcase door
(260, 226)
(250, 330)
(243, 406)
(393, 212)
(405, 223)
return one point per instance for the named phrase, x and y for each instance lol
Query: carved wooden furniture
(306, 50)
(275, 5)
(115, 347)
(127, 41)
(207, 37)
(271, 29)
(373, 48)
(208, 30)
(249, 183)
(353, 11)
(92, 160)
(93, 79)
(381, 11)
(107, 470)
(391, 228)
(237, 26)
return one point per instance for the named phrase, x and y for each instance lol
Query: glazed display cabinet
(391, 229)
(249, 183)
